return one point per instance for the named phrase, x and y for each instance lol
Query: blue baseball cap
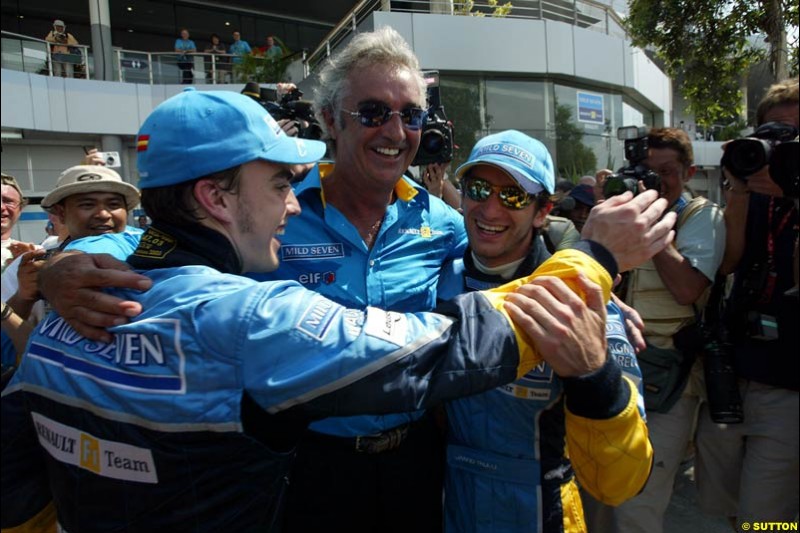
(196, 133)
(583, 193)
(522, 157)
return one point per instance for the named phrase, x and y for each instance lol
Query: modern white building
(559, 70)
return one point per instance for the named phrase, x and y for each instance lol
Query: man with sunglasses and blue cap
(188, 420)
(516, 454)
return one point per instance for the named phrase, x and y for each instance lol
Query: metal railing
(588, 14)
(20, 52)
(29, 54)
(134, 66)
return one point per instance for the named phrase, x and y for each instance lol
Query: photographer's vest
(646, 293)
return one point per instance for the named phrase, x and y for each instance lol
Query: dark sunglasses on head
(374, 114)
(479, 190)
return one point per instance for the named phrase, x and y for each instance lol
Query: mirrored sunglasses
(511, 197)
(374, 114)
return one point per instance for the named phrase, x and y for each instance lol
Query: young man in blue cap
(514, 453)
(187, 421)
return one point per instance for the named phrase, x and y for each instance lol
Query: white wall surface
(43, 103)
(533, 47)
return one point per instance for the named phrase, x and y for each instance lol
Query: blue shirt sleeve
(119, 245)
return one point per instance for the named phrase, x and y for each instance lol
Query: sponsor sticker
(524, 392)
(103, 457)
(508, 150)
(299, 252)
(315, 278)
(317, 319)
(426, 232)
(386, 325)
(155, 244)
(138, 361)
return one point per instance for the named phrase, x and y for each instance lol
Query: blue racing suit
(187, 421)
(513, 452)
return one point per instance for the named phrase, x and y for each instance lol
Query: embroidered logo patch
(103, 457)
(298, 252)
(155, 244)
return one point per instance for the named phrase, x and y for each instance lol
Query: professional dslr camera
(722, 388)
(774, 144)
(436, 140)
(290, 107)
(628, 178)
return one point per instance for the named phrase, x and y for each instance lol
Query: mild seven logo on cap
(507, 150)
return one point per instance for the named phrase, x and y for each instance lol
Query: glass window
(586, 122)
(460, 97)
(515, 104)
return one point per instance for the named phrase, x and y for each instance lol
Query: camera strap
(772, 235)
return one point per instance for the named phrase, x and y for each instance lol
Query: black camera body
(436, 141)
(627, 178)
(774, 144)
(290, 107)
(436, 138)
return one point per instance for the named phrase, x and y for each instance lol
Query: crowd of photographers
(715, 361)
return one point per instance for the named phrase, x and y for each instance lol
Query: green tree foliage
(261, 69)
(704, 43)
(467, 7)
(573, 158)
(256, 67)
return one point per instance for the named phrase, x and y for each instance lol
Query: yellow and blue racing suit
(514, 452)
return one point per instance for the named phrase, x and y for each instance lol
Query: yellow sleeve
(566, 265)
(43, 522)
(612, 457)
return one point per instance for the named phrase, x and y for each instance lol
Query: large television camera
(628, 178)
(290, 107)
(436, 140)
(774, 144)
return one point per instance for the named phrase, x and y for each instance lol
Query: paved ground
(683, 515)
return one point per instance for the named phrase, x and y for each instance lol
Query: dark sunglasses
(374, 114)
(479, 190)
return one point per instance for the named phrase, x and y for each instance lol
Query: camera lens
(110, 161)
(432, 142)
(747, 156)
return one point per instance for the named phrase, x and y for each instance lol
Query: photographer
(61, 42)
(749, 471)
(666, 292)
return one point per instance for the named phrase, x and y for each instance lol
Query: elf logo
(315, 278)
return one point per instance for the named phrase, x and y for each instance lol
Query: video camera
(628, 178)
(774, 144)
(290, 107)
(436, 140)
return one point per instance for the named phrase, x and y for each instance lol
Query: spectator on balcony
(221, 63)
(271, 50)
(60, 52)
(238, 48)
(185, 46)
